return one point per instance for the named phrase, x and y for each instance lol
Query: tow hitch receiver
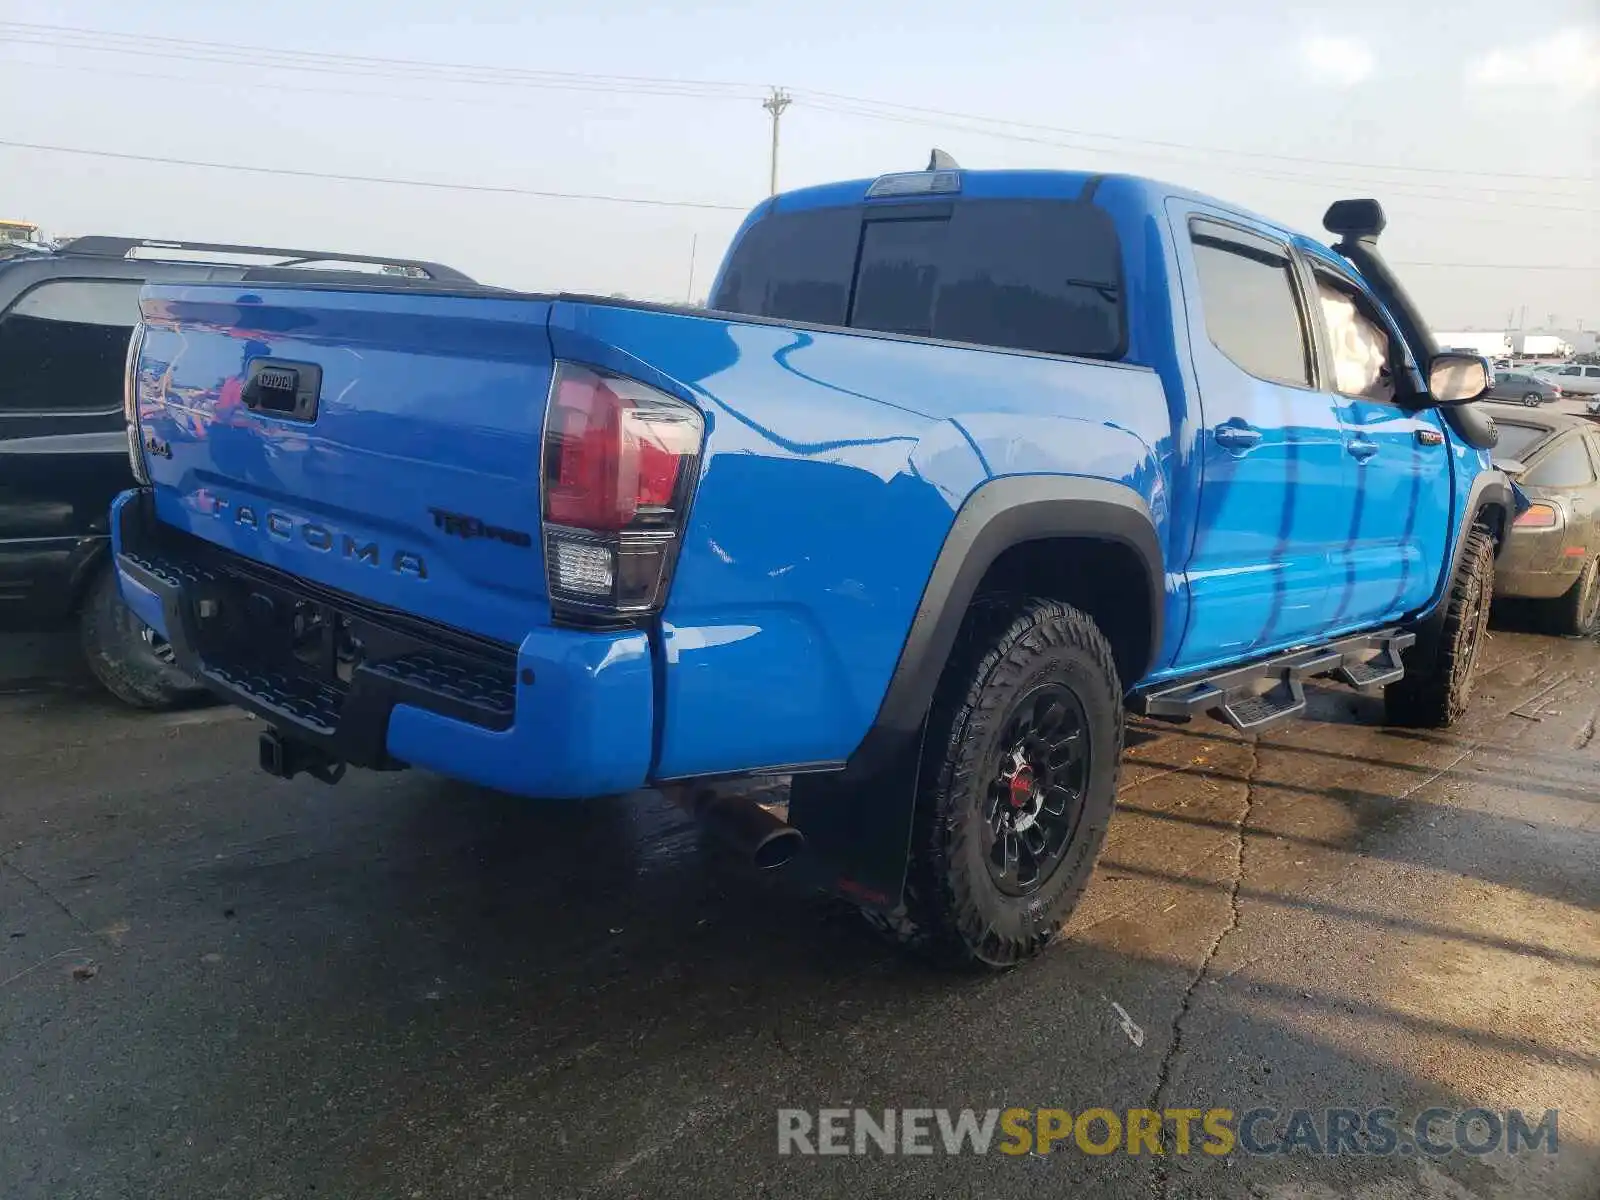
(286, 758)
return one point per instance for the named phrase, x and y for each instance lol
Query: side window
(1252, 313)
(1572, 370)
(63, 346)
(1359, 343)
(1591, 372)
(1564, 465)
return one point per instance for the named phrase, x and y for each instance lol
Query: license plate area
(251, 622)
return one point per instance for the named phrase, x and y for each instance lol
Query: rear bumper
(1541, 564)
(565, 714)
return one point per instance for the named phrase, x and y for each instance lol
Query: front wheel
(1439, 674)
(126, 657)
(1019, 778)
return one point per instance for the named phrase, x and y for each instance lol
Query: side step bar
(1273, 690)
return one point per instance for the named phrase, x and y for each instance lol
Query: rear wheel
(1577, 613)
(1435, 693)
(1532, 399)
(126, 656)
(1019, 778)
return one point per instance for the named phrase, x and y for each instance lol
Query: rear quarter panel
(835, 464)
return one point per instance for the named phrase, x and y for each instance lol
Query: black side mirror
(1457, 378)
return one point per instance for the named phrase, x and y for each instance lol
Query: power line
(265, 61)
(1302, 179)
(551, 195)
(235, 84)
(1496, 266)
(347, 178)
(542, 194)
(227, 53)
(231, 53)
(1440, 191)
(860, 102)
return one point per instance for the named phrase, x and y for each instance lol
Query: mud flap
(857, 826)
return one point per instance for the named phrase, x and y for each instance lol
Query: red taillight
(619, 462)
(1538, 516)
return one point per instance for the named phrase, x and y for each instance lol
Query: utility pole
(775, 104)
(694, 247)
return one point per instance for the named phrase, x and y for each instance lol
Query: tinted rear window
(1024, 274)
(1516, 440)
(1566, 464)
(794, 267)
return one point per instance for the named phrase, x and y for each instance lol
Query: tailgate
(382, 443)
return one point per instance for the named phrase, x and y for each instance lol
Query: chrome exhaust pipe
(742, 824)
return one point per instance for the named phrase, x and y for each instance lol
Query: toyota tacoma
(954, 468)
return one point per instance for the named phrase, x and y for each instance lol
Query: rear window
(1516, 440)
(63, 346)
(1565, 465)
(794, 267)
(1022, 274)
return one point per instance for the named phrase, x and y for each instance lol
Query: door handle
(1236, 437)
(1361, 448)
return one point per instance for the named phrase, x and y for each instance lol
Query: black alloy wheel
(1036, 790)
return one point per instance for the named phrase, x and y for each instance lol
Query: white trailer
(1541, 345)
(1490, 344)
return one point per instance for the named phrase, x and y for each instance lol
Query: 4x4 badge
(1430, 437)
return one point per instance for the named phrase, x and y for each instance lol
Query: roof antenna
(939, 160)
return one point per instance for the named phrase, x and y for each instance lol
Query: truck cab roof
(1110, 190)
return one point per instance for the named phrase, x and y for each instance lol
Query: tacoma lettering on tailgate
(273, 523)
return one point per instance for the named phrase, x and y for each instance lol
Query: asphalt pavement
(214, 984)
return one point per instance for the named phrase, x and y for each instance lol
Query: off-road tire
(127, 665)
(1009, 647)
(1574, 614)
(1433, 695)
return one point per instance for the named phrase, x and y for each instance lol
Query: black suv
(66, 314)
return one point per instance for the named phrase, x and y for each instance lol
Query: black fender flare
(1489, 494)
(857, 821)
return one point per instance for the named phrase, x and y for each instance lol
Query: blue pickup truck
(954, 468)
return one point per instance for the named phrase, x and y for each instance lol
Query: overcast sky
(1478, 124)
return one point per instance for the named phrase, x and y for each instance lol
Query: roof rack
(120, 247)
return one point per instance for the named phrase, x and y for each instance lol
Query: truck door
(1399, 501)
(63, 443)
(1273, 463)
